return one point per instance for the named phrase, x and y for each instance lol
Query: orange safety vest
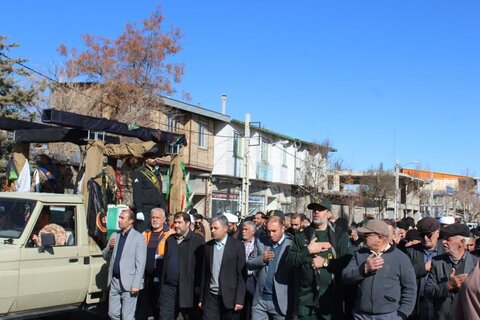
(161, 244)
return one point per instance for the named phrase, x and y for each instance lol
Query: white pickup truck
(54, 277)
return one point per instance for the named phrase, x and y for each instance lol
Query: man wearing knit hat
(383, 274)
(421, 257)
(449, 270)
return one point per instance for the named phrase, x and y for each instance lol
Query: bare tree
(351, 197)
(315, 167)
(413, 188)
(465, 196)
(475, 209)
(123, 78)
(377, 186)
(424, 201)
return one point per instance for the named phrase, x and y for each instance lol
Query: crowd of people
(290, 266)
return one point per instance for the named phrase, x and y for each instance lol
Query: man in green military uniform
(320, 254)
(147, 189)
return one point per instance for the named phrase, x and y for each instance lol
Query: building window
(255, 204)
(264, 151)
(237, 145)
(173, 122)
(284, 156)
(298, 176)
(225, 202)
(202, 135)
(173, 149)
(286, 207)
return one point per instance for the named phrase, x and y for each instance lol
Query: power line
(65, 85)
(55, 81)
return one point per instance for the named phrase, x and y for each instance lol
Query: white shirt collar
(223, 241)
(279, 243)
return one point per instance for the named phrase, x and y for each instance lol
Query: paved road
(99, 312)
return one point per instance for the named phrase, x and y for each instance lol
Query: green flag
(12, 173)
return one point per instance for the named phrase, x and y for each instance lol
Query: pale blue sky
(382, 80)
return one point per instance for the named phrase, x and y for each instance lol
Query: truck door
(59, 275)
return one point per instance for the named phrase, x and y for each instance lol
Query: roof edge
(280, 135)
(195, 109)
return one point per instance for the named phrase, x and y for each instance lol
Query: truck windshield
(14, 215)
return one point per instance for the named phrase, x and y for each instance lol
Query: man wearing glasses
(383, 274)
(449, 270)
(421, 256)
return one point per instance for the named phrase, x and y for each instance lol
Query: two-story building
(199, 126)
(345, 191)
(280, 167)
(277, 169)
(448, 194)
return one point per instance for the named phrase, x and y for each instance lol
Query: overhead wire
(66, 86)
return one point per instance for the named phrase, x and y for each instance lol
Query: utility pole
(246, 156)
(398, 202)
(431, 195)
(397, 187)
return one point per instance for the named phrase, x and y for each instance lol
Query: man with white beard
(155, 238)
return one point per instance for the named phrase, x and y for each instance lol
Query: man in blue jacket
(386, 284)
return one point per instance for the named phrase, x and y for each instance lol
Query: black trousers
(147, 300)
(169, 309)
(214, 309)
(246, 313)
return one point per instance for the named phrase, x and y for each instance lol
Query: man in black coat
(421, 256)
(181, 273)
(449, 270)
(224, 274)
(147, 190)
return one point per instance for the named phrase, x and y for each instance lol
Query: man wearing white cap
(233, 230)
(446, 220)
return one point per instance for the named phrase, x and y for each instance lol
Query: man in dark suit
(147, 190)
(224, 273)
(181, 273)
(127, 253)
